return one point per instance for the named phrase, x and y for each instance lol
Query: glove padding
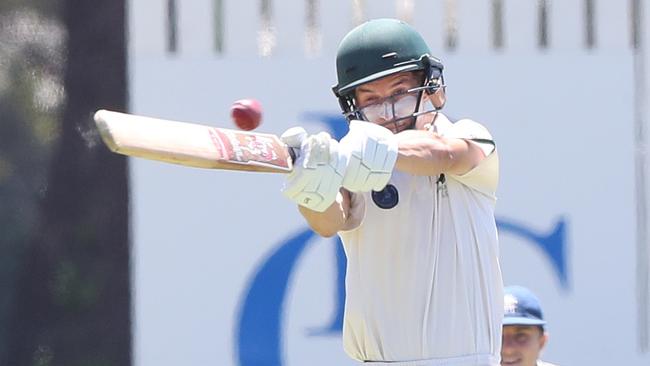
(318, 170)
(373, 153)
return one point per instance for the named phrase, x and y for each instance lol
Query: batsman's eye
(522, 338)
(394, 107)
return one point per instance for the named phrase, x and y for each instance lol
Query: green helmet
(376, 49)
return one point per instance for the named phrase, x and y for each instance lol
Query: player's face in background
(385, 101)
(521, 345)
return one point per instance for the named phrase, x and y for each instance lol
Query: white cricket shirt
(423, 282)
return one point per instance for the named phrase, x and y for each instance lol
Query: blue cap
(521, 307)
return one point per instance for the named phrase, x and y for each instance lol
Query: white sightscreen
(221, 275)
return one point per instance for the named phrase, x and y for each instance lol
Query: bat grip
(293, 154)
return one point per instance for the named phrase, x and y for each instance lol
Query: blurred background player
(524, 334)
(412, 196)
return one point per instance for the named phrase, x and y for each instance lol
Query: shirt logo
(387, 198)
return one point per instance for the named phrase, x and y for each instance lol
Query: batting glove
(373, 153)
(318, 170)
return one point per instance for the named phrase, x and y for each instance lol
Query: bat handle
(294, 137)
(293, 154)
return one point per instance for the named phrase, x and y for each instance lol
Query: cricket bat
(192, 144)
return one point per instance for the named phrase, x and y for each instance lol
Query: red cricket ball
(246, 113)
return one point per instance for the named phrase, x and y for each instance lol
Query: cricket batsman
(412, 196)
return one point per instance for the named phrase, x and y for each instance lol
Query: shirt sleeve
(485, 176)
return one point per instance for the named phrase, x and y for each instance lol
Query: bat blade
(192, 144)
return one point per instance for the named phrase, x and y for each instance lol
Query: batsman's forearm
(422, 153)
(427, 154)
(330, 221)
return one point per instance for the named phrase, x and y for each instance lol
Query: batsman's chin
(511, 362)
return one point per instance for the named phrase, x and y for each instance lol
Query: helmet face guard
(395, 109)
(381, 48)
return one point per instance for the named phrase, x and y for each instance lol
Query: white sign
(226, 272)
